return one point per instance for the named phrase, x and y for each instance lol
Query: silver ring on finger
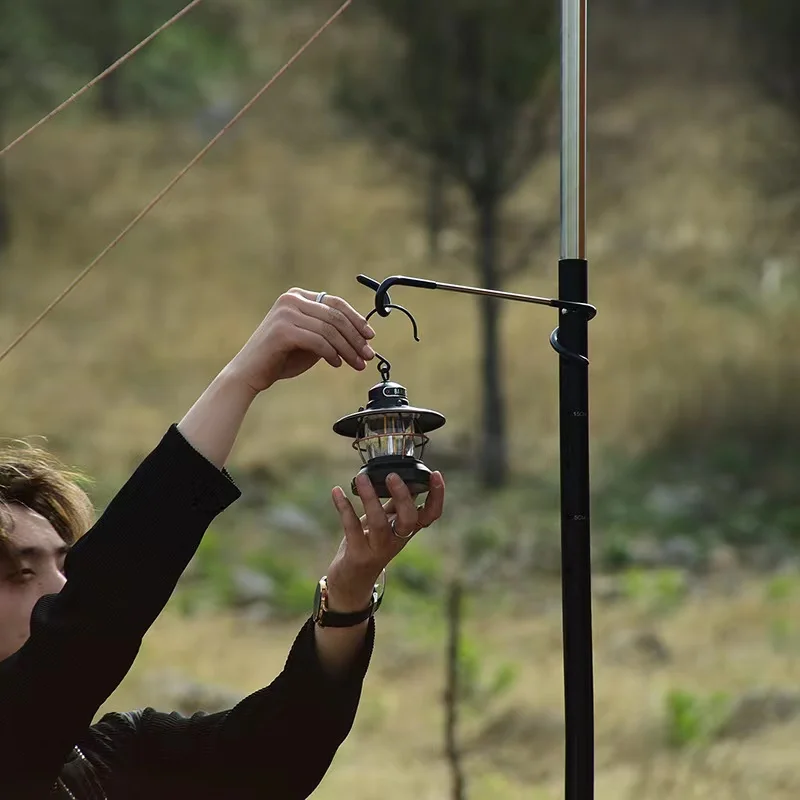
(320, 297)
(400, 535)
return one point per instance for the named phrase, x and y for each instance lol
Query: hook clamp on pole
(384, 305)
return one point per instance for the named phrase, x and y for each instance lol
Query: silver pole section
(573, 128)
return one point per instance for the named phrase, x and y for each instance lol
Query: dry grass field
(716, 643)
(679, 237)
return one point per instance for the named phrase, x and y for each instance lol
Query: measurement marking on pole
(578, 517)
(580, 413)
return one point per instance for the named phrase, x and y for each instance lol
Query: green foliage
(26, 57)
(660, 591)
(615, 552)
(310, 491)
(692, 719)
(292, 595)
(780, 588)
(213, 587)
(782, 630)
(728, 456)
(210, 587)
(171, 74)
(478, 686)
(213, 563)
(417, 570)
(483, 539)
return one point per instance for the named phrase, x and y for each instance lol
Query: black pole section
(576, 579)
(570, 341)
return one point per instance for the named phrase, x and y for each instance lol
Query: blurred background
(422, 138)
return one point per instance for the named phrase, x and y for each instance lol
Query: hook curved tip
(370, 283)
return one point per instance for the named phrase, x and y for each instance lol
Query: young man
(74, 607)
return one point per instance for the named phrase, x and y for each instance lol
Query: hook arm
(383, 304)
(382, 299)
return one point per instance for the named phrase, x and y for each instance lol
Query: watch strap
(326, 618)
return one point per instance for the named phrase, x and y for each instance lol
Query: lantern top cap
(389, 398)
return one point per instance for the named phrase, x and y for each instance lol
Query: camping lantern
(390, 436)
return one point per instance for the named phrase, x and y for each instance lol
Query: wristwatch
(326, 618)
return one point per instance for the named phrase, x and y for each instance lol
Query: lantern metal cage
(390, 436)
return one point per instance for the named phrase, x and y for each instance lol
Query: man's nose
(55, 582)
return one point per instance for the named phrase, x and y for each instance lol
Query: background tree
(48, 47)
(774, 26)
(468, 86)
(26, 71)
(171, 73)
(771, 30)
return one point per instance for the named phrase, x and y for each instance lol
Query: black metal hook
(384, 365)
(401, 309)
(383, 302)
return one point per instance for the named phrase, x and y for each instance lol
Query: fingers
(406, 521)
(359, 322)
(351, 524)
(388, 509)
(408, 518)
(434, 503)
(374, 513)
(332, 301)
(339, 330)
(317, 344)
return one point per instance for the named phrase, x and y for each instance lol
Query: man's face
(41, 552)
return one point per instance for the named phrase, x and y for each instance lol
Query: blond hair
(34, 478)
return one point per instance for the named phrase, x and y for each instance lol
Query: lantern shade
(425, 420)
(390, 436)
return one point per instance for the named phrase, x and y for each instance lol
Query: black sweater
(276, 744)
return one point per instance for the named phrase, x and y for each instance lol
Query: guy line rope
(149, 207)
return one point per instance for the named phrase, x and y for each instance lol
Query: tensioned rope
(149, 207)
(106, 72)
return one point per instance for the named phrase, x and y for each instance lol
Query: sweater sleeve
(83, 640)
(278, 742)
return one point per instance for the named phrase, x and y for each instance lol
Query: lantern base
(412, 471)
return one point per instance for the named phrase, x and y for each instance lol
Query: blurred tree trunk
(436, 210)
(109, 98)
(451, 693)
(469, 87)
(493, 465)
(109, 47)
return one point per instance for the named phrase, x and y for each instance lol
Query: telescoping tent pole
(574, 414)
(570, 341)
